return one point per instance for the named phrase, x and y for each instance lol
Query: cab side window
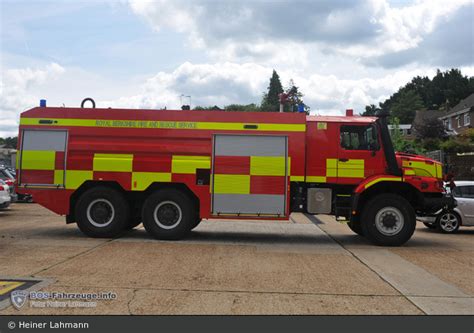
(359, 137)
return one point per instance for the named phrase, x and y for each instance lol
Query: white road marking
(429, 293)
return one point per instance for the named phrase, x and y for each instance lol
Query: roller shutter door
(42, 157)
(249, 175)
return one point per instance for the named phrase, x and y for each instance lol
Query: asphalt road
(309, 265)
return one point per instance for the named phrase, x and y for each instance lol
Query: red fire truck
(109, 170)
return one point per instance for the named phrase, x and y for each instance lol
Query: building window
(467, 119)
(458, 121)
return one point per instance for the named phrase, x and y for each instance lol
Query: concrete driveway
(306, 266)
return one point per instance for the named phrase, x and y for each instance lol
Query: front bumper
(432, 205)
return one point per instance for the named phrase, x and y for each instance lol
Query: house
(7, 156)
(405, 130)
(423, 117)
(458, 119)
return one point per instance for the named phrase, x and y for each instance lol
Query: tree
(429, 128)
(9, 142)
(241, 107)
(270, 101)
(401, 144)
(202, 108)
(444, 91)
(449, 88)
(406, 106)
(370, 110)
(295, 98)
(231, 107)
(460, 144)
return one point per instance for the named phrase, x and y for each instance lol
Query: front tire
(168, 214)
(388, 220)
(102, 212)
(448, 222)
(356, 227)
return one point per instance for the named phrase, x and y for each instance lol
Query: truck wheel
(448, 222)
(168, 214)
(388, 220)
(102, 212)
(356, 227)
(197, 221)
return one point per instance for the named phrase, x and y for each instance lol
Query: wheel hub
(100, 213)
(168, 214)
(389, 221)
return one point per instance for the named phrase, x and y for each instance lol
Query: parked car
(5, 198)
(462, 215)
(7, 176)
(12, 171)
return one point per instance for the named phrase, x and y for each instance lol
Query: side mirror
(373, 147)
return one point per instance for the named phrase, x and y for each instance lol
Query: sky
(147, 54)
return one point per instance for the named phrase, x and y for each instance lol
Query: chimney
(349, 113)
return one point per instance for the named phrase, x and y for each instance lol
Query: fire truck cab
(109, 170)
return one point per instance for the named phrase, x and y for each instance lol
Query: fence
(461, 164)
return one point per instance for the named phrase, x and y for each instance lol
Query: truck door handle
(343, 159)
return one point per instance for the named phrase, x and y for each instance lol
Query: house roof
(423, 115)
(466, 103)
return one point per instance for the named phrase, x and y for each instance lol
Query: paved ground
(306, 266)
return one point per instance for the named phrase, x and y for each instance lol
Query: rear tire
(168, 214)
(388, 220)
(196, 223)
(102, 212)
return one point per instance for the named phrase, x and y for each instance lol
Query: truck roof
(341, 119)
(219, 115)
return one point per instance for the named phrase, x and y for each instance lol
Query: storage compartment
(249, 175)
(319, 200)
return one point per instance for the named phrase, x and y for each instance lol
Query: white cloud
(208, 84)
(227, 83)
(257, 30)
(22, 88)
(15, 92)
(341, 54)
(405, 27)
